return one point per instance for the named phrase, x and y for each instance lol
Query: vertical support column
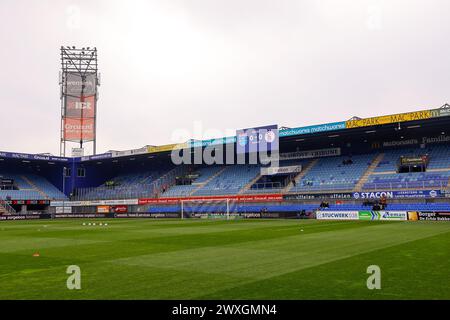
(182, 209)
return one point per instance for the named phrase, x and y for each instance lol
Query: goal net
(226, 209)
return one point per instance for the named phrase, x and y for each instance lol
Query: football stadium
(342, 197)
(354, 209)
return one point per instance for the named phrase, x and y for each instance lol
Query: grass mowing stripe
(413, 270)
(152, 243)
(265, 258)
(144, 259)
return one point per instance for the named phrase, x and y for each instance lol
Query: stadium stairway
(5, 208)
(169, 178)
(300, 175)
(369, 172)
(35, 187)
(249, 185)
(201, 185)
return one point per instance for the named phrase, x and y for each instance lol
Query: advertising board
(362, 215)
(395, 118)
(434, 216)
(425, 194)
(337, 215)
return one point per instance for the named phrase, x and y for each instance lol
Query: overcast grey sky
(208, 67)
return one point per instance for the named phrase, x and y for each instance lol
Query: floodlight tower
(79, 81)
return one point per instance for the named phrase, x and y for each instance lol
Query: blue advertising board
(313, 129)
(211, 142)
(95, 157)
(282, 133)
(25, 156)
(424, 194)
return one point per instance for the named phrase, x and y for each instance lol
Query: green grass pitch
(205, 259)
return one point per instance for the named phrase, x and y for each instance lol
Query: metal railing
(7, 207)
(158, 188)
(416, 185)
(114, 193)
(266, 186)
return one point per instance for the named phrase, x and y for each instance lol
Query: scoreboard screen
(260, 139)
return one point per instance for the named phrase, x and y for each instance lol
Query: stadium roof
(353, 123)
(295, 133)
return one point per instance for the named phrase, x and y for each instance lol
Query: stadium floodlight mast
(79, 80)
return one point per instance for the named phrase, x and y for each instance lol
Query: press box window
(67, 172)
(81, 172)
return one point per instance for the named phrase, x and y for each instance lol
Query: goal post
(225, 209)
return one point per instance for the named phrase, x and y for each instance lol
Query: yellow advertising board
(395, 118)
(413, 216)
(167, 147)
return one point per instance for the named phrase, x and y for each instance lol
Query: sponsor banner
(434, 216)
(259, 139)
(441, 112)
(337, 215)
(395, 118)
(313, 129)
(77, 152)
(77, 129)
(251, 215)
(280, 170)
(147, 215)
(411, 161)
(237, 198)
(362, 215)
(119, 209)
(83, 107)
(411, 142)
(63, 210)
(393, 215)
(160, 201)
(103, 209)
(383, 215)
(20, 217)
(436, 139)
(210, 142)
(94, 203)
(231, 216)
(78, 215)
(424, 194)
(321, 153)
(97, 157)
(167, 147)
(312, 196)
(116, 154)
(24, 156)
(413, 215)
(27, 202)
(6, 182)
(76, 85)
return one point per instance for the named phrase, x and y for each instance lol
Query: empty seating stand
(330, 174)
(31, 187)
(385, 176)
(230, 181)
(204, 174)
(130, 185)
